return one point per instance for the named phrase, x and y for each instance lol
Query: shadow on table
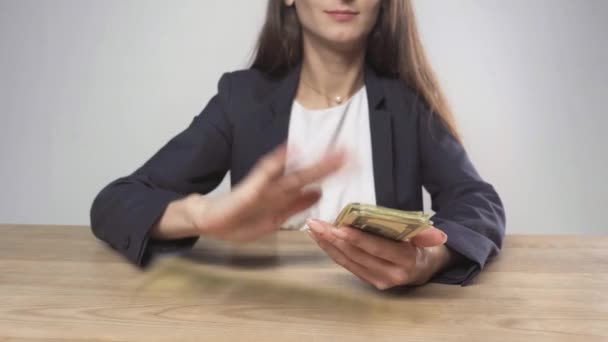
(262, 254)
(251, 261)
(271, 274)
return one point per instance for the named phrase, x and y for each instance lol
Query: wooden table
(60, 284)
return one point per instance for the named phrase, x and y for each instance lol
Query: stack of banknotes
(389, 223)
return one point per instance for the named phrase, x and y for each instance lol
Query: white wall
(90, 89)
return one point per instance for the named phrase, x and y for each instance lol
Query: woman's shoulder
(249, 79)
(247, 84)
(247, 76)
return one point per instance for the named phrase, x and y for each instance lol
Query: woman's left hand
(381, 262)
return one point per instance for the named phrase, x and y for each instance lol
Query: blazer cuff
(138, 247)
(475, 249)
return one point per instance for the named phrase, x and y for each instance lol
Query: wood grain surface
(60, 284)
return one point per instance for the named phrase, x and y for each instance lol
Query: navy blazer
(249, 117)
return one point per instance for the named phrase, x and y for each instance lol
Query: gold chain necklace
(336, 99)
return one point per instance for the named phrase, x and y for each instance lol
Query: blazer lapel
(381, 128)
(281, 102)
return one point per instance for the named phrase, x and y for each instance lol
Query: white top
(312, 133)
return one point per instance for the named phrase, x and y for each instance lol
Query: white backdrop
(90, 89)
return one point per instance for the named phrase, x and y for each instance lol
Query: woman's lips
(342, 15)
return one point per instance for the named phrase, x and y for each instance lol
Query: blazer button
(126, 242)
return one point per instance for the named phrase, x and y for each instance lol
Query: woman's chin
(346, 42)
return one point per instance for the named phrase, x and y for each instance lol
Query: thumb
(319, 223)
(429, 237)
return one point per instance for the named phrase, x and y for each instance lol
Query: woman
(327, 73)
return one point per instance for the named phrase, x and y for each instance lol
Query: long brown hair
(394, 49)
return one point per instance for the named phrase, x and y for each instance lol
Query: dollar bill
(386, 222)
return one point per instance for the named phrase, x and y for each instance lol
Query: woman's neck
(329, 76)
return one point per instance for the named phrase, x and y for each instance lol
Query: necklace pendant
(338, 99)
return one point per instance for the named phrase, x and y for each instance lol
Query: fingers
(272, 222)
(388, 273)
(268, 168)
(430, 237)
(379, 272)
(268, 182)
(401, 253)
(268, 197)
(339, 258)
(329, 164)
(303, 202)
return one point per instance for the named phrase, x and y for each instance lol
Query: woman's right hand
(262, 201)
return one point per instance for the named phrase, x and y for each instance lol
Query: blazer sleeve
(466, 208)
(194, 161)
